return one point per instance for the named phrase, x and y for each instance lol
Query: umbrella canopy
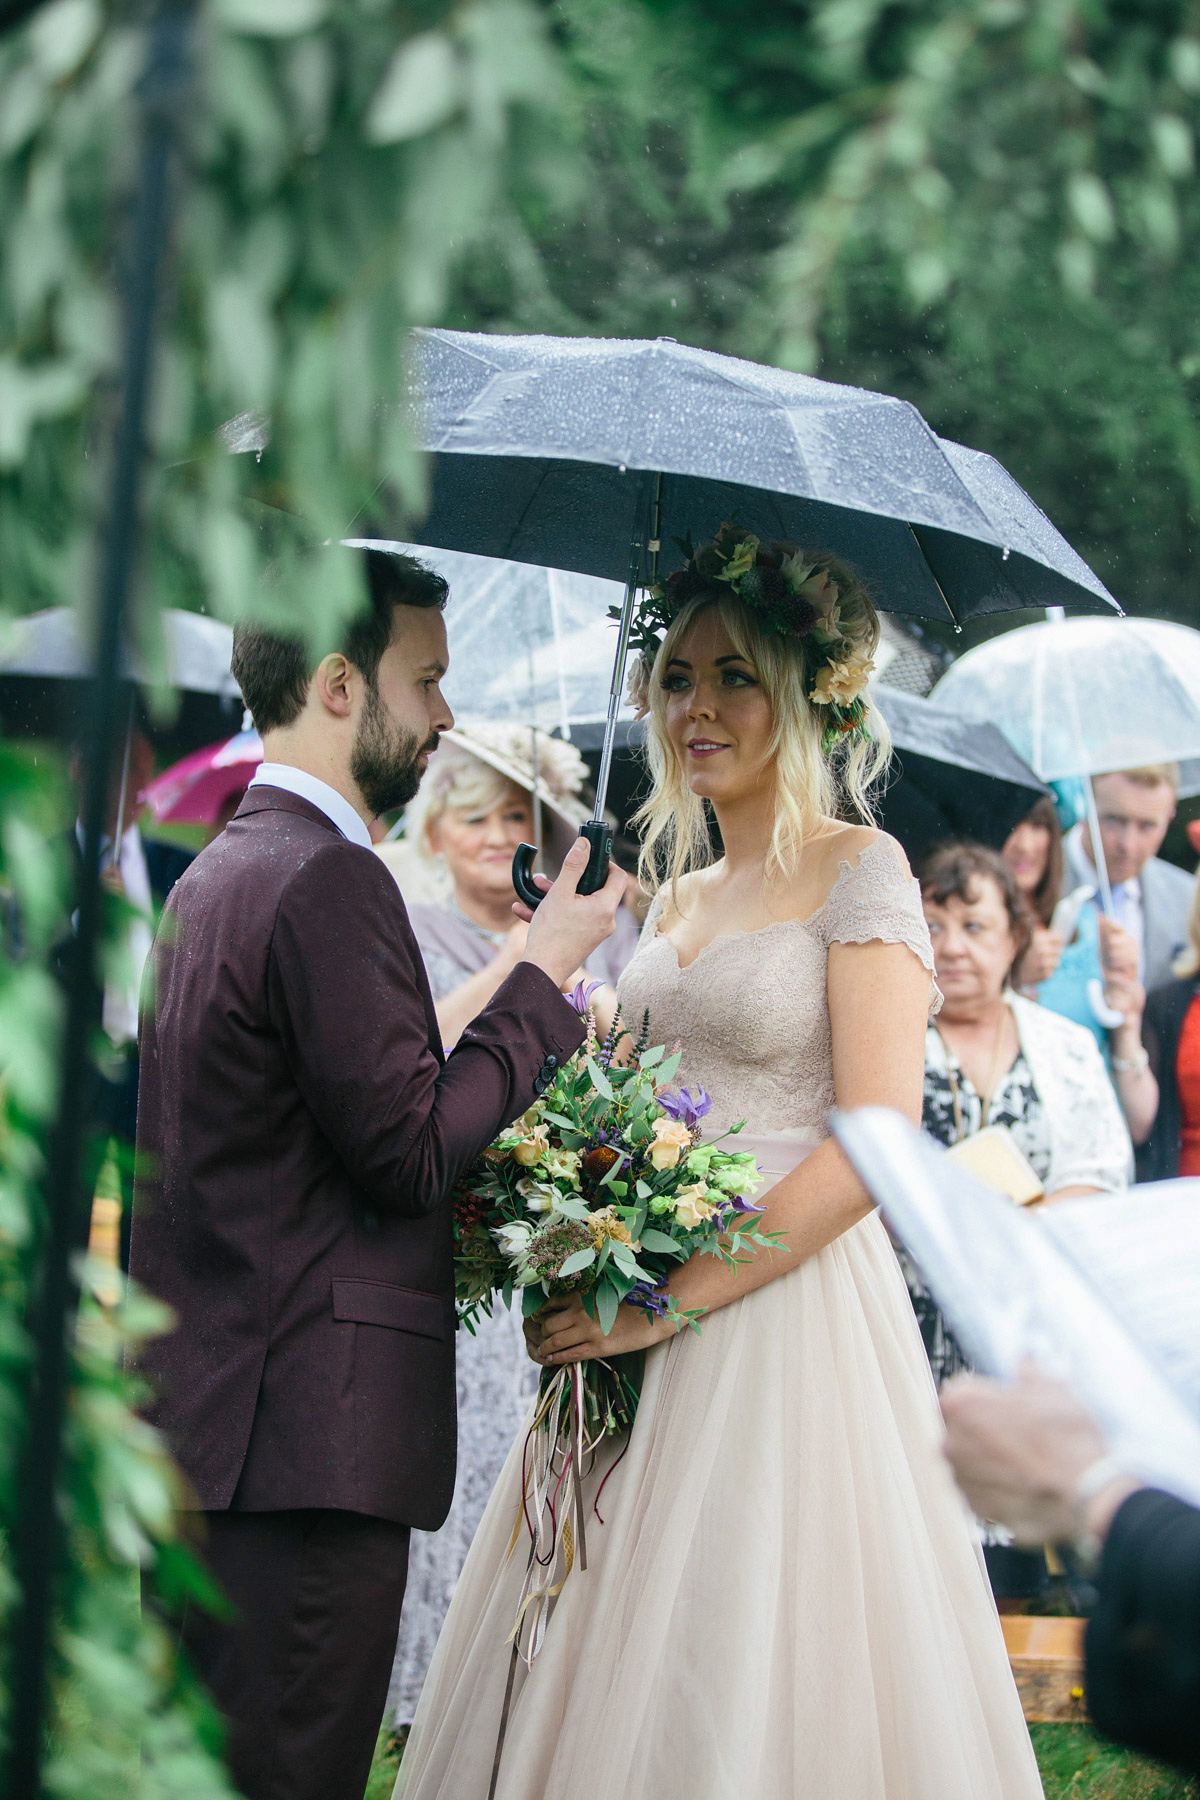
(196, 790)
(1085, 696)
(950, 778)
(543, 447)
(49, 644)
(44, 663)
(527, 644)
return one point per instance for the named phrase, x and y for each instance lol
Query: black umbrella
(44, 663)
(948, 778)
(590, 454)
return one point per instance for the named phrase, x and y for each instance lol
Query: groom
(299, 1137)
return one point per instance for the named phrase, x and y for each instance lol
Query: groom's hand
(567, 926)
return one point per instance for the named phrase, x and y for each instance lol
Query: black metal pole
(37, 1548)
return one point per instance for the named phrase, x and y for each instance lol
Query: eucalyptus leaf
(660, 1243)
(599, 1079)
(421, 88)
(607, 1302)
(578, 1261)
(531, 1299)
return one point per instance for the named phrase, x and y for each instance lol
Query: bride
(785, 1600)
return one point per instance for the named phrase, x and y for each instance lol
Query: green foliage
(334, 160)
(127, 1725)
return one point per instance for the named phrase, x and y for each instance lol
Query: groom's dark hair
(273, 668)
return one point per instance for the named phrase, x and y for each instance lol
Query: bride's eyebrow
(677, 662)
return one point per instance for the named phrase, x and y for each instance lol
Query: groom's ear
(333, 683)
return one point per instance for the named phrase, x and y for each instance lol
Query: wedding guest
(474, 808)
(465, 826)
(995, 1059)
(1033, 851)
(300, 1134)
(1151, 898)
(1028, 1454)
(1171, 1034)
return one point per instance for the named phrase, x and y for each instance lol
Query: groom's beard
(385, 760)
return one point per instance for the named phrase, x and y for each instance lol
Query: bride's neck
(746, 826)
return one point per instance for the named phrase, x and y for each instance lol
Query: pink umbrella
(195, 790)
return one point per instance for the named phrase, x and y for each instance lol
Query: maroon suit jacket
(299, 1134)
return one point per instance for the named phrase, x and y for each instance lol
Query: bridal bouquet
(602, 1188)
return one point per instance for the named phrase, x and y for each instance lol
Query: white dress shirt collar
(318, 793)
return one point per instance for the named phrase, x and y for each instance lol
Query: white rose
(692, 1207)
(513, 1239)
(671, 1139)
(539, 1196)
(531, 1149)
(562, 1165)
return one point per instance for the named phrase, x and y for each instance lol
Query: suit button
(539, 1086)
(551, 1062)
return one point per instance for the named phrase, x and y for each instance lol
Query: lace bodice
(752, 1011)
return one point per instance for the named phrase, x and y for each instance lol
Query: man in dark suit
(1028, 1455)
(299, 1136)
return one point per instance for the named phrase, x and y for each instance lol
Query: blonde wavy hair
(811, 784)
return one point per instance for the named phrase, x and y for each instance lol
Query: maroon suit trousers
(301, 1674)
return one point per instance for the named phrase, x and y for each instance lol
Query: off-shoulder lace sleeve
(879, 898)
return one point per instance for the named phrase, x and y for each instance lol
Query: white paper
(1141, 1251)
(1109, 1315)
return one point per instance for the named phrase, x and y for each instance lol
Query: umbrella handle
(600, 842)
(522, 872)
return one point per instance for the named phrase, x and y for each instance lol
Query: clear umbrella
(528, 644)
(1083, 697)
(49, 646)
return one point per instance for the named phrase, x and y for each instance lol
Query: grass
(386, 1765)
(1075, 1765)
(1078, 1765)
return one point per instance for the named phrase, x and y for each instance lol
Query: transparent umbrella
(1082, 697)
(1085, 696)
(526, 643)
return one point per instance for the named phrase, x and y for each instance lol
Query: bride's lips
(705, 747)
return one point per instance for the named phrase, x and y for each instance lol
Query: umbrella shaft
(646, 527)
(1098, 857)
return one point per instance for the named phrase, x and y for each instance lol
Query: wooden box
(1047, 1664)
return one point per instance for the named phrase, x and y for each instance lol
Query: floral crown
(792, 594)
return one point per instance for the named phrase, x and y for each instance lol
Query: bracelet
(1131, 1065)
(1095, 1478)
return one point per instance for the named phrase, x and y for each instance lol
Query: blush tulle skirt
(786, 1599)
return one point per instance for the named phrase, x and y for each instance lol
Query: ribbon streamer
(551, 1507)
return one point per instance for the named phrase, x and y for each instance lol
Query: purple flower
(739, 1203)
(683, 1106)
(650, 1299)
(581, 994)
